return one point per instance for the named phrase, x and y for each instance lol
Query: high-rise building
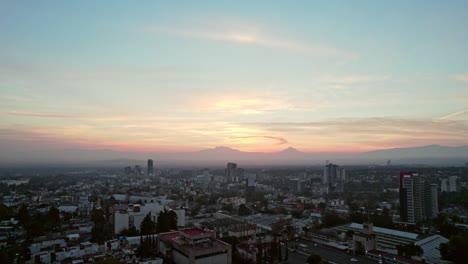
(231, 172)
(334, 177)
(150, 167)
(454, 185)
(451, 184)
(389, 162)
(418, 200)
(434, 202)
(444, 185)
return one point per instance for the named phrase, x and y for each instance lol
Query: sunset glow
(168, 79)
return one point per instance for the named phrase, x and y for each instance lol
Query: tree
(274, 251)
(409, 250)
(227, 208)
(286, 250)
(101, 230)
(167, 221)
(23, 215)
(259, 256)
(147, 225)
(322, 206)
(145, 250)
(53, 217)
(243, 210)
(5, 212)
(129, 232)
(332, 219)
(314, 259)
(456, 249)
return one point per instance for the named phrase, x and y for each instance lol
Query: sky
(320, 76)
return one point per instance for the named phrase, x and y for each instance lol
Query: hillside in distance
(433, 154)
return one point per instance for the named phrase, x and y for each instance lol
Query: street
(332, 255)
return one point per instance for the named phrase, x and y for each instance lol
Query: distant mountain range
(431, 155)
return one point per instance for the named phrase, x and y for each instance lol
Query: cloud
(368, 133)
(463, 77)
(257, 38)
(454, 115)
(279, 140)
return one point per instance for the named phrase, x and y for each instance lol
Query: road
(332, 255)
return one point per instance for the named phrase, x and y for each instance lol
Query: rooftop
(387, 231)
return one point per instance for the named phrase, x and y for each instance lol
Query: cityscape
(217, 132)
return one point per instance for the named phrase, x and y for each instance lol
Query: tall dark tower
(231, 172)
(150, 167)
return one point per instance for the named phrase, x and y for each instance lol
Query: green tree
(274, 248)
(286, 250)
(167, 221)
(456, 249)
(227, 208)
(409, 250)
(23, 215)
(259, 256)
(314, 259)
(332, 219)
(129, 232)
(148, 226)
(101, 230)
(5, 212)
(146, 249)
(108, 261)
(53, 217)
(243, 210)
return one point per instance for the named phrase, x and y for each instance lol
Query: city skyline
(320, 77)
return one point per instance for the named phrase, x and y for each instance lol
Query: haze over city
(233, 132)
(260, 77)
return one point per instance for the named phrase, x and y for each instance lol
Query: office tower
(138, 170)
(334, 177)
(128, 170)
(150, 167)
(444, 185)
(231, 172)
(389, 162)
(251, 178)
(418, 201)
(453, 184)
(434, 202)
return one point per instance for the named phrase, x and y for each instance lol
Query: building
(434, 202)
(231, 173)
(150, 167)
(431, 246)
(444, 185)
(131, 216)
(296, 185)
(386, 239)
(334, 177)
(251, 179)
(365, 240)
(418, 199)
(454, 184)
(194, 246)
(450, 184)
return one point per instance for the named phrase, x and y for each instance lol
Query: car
(315, 244)
(292, 250)
(353, 260)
